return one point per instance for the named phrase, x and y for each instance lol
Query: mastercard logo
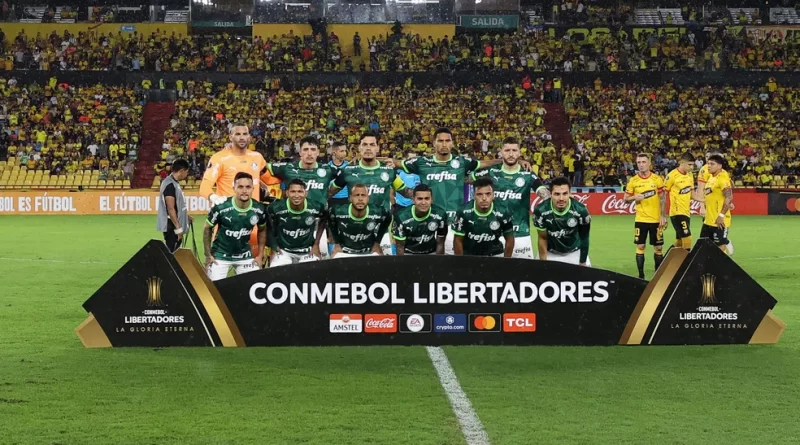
(484, 323)
(793, 204)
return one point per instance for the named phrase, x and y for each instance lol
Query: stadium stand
(756, 127)
(62, 136)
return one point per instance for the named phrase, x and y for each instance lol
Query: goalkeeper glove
(216, 199)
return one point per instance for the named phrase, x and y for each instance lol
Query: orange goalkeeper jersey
(223, 167)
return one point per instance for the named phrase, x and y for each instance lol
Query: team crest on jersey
(253, 220)
(309, 220)
(454, 163)
(432, 226)
(519, 182)
(255, 166)
(321, 172)
(370, 226)
(494, 225)
(384, 176)
(572, 222)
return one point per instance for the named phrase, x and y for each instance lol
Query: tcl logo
(522, 322)
(380, 323)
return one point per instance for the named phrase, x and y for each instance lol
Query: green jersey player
(563, 225)
(445, 174)
(317, 177)
(512, 194)
(419, 229)
(358, 227)
(378, 178)
(235, 219)
(295, 229)
(479, 227)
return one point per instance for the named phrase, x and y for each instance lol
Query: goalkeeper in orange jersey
(679, 185)
(227, 163)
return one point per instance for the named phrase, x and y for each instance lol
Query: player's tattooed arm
(207, 234)
(441, 235)
(321, 226)
(458, 245)
(726, 206)
(262, 242)
(408, 192)
(542, 245)
(583, 234)
(662, 202)
(401, 247)
(509, 247)
(543, 192)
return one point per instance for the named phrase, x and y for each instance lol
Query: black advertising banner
(784, 203)
(705, 298)
(159, 300)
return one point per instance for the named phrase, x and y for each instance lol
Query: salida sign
(157, 299)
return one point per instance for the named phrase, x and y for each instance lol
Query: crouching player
(478, 227)
(419, 229)
(235, 219)
(358, 227)
(563, 226)
(294, 227)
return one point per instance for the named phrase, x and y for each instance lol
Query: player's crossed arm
(321, 226)
(507, 225)
(458, 232)
(538, 223)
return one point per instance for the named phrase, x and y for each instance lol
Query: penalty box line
(471, 426)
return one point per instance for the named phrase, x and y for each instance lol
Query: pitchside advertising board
(157, 299)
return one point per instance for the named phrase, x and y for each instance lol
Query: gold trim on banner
(651, 298)
(91, 333)
(769, 331)
(212, 301)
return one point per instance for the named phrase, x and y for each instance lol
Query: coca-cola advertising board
(746, 203)
(158, 299)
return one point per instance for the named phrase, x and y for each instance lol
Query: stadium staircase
(154, 123)
(557, 123)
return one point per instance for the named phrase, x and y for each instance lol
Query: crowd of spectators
(480, 118)
(63, 128)
(757, 128)
(532, 50)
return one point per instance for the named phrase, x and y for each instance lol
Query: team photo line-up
(347, 206)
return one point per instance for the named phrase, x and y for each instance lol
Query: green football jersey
(482, 231)
(235, 226)
(290, 230)
(563, 229)
(512, 194)
(379, 180)
(419, 234)
(358, 235)
(446, 179)
(317, 179)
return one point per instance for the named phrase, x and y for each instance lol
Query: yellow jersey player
(679, 185)
(719, 195)
(700, 196)
(646, 191)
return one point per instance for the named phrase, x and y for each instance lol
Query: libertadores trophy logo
(708, 296)
(154, 292)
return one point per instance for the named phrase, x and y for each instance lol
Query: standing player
(294, 227)
(317, 177)
(224, 165)
(512, 194)
(338, 161)
(719, 195)
(358, 228)
(235, 218)
(478, 227)
(379, 180)
(445, 175)
(419, 229)
(563, 224)
(679, 185)
(646, 190)
(702, 177)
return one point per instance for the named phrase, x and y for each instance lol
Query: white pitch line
(771, 257)
(42, 260)
(471, 425)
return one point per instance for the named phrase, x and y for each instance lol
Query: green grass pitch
(53, 391)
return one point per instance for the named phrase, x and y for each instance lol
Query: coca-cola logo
(381, 323)
(616, 204)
